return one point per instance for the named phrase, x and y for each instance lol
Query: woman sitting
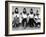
(24, 21)
(31, 18)
(16, 18)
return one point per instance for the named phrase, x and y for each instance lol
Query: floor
(26, 28)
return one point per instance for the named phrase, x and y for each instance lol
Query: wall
(2, 18)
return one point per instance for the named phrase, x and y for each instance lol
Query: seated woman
(16, 18)
(37, 19)
(24, 21)
(31, 18)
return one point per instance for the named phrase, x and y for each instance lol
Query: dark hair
(34, 14)
(37, 10)
(31, 12)
(24, 11)
(37, 13)
(16, 11)
(31, 9)
(21, 13)
(13, 13)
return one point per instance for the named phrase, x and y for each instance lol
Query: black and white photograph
(24, 18)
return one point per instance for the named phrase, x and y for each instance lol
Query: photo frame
(31, 27)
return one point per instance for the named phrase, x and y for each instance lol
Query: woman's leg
(38, 24)
(23, 22)
(30, 22)
(14, 23)
(34, 23)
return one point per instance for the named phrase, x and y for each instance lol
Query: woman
(31, 18)
(24, 21)
(37, 19)
(16, 18)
